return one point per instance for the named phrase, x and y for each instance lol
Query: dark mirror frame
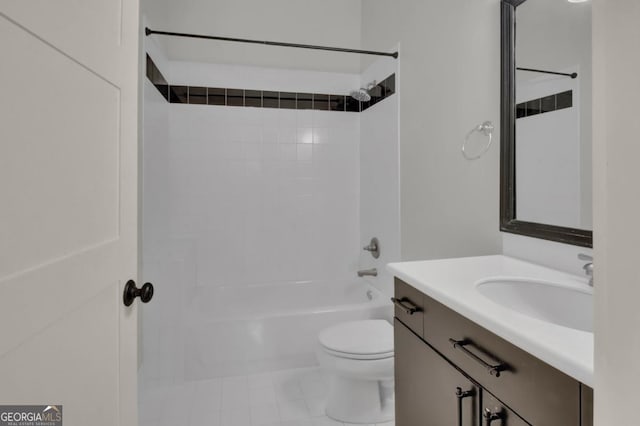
(508, 221)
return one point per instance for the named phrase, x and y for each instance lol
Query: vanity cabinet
(428, 387)
(507, 386)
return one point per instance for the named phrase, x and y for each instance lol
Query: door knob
(131, 292)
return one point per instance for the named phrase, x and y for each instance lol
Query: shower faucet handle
(588, 268)
(373, 248)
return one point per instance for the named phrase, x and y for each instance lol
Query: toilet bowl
(358, 356)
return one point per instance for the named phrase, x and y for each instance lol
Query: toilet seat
(359, 340)
(358, 356)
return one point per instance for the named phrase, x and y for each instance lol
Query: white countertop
(452, 282)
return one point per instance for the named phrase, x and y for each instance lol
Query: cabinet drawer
(535, 390)
(409, 306)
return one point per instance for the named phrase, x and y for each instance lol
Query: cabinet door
(586, 394)
(494, 413)
(429, 391)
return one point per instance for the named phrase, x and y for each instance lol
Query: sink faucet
(588, 268)
(373, 272)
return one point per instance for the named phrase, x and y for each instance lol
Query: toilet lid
(359, 337)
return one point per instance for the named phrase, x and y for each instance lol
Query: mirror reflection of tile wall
(553, 124)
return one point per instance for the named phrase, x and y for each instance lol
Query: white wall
(238, 196)
(265, 195)
(450, 64)
(155, 14)
(616, 211)
(556, 35)
(565, 27)
(261, 78)
(327, 22)
(161, 322)
(380, 177)
(563, 257)
(548, 165)
(155, 143)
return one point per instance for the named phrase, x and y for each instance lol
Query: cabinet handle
(460, 394)
(406, 305)
(493, 369)
(491, 416)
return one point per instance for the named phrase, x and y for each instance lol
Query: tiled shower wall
(380, 177)
(241, 196)
(264, 195)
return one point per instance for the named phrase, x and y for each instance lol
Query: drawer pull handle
(491, 416)
(460, 394)
(493, 369)
(406, 305)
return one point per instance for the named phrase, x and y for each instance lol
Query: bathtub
(252, 329)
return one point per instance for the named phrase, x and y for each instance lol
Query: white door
(68, 207)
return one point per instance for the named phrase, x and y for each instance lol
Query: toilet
(358, 356)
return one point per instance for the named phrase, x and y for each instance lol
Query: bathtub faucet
(373, 272)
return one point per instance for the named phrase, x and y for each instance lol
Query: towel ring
(486, 129)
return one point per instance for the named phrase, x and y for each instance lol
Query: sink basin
(564, 305)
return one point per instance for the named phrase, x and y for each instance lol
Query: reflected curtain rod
(149, 32)
(572, 75)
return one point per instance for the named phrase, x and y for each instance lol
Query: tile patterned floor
(281, 398)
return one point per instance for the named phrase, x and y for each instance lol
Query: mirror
(546, 120)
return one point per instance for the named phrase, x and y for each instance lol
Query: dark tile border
(198, 95)
(235, 97)
(179, 94)
(216, 96)
(546, 104)
(156, 78)
(288, 100)
(321, 102)
(381, 91)
(270, 99)
(337, 103)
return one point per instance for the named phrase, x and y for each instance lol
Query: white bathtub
(252, 329)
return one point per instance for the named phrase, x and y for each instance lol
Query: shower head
(361, 95)
(375, 90)
(364, 94)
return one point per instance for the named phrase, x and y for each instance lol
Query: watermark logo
(30, 415)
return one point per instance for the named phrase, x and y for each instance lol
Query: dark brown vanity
(451, 371)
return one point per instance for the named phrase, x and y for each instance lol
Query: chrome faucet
(373, 272)
(373, 248)
(588, 268)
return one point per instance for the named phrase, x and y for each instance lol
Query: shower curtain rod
(572, 75)
(149, 32)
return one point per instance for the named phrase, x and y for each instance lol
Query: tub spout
(373, 272)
